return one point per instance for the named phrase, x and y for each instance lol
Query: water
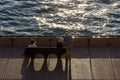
(56, 17)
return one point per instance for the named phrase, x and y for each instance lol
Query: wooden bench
(45, 51)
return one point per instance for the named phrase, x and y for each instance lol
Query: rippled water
(56, 17)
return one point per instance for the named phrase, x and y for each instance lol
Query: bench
(45, 51)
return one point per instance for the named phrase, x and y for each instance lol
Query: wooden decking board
(105, 64)
(32, 74)
(80, 69)
(17, 52)
(80, 64)
(114, 52)
(4, 57)
(4, 53)
(101, 65)
(13, 70)
(53, 68)
(14, 67)
(80, 52)
(115, 57)
(2, 68)
(58, 73)
(99, 52)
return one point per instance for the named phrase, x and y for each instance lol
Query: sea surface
(56, 17)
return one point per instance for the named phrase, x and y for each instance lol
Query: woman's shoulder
(32, 45)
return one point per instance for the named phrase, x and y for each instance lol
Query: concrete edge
(46, 41)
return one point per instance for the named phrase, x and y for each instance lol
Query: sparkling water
(56, 17)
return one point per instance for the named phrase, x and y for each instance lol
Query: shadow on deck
(87, 63)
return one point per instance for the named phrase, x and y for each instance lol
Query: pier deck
(87, 63)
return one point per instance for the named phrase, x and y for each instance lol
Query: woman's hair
(32, 41)
(60, 39)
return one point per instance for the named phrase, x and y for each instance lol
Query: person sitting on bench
(59, 44)
(32, 43)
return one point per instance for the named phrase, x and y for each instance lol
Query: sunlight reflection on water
(80, 17)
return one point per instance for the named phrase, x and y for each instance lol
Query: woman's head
(60, 39)
(32, 41)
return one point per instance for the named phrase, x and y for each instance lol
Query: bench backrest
(45, 50)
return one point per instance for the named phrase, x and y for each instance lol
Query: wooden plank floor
(115, 58)
(14, 64)
(101, 65)
(87, 63)
(80, 64)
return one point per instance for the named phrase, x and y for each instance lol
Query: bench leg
(58, 56)
(45, 56)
